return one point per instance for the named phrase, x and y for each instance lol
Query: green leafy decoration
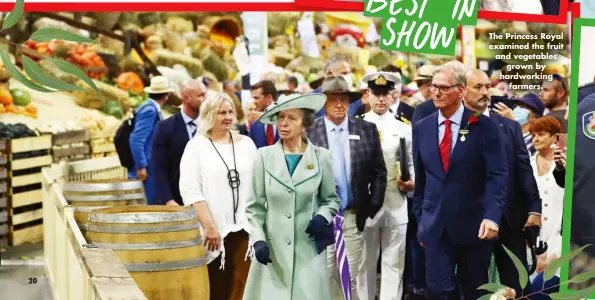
(574, 296)
(492, 287)
(47, 34)
(582, 277)
(523, 276)
(485, 297)
(16, 74)
(553, 267)
(14, 16)
(38, 75)
(71, 69)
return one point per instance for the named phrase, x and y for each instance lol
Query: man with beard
(554, 95)
(523, 206)
(170, 140)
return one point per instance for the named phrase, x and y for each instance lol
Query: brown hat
(338, 85)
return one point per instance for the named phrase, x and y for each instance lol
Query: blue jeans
(537, 285)
(149, 185)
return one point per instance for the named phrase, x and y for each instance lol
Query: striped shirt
(529, 142)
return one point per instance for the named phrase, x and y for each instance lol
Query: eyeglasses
(442, 88)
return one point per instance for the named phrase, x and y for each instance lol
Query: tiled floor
(22, 274)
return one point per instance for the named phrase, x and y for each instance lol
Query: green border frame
(579, 23)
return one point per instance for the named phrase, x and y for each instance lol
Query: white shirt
(189, 128)
(552, 205)
(203, 177)
(394, 210)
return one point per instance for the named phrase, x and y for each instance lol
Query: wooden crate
(70, 137)
(25, 194)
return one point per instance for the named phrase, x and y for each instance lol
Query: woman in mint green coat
(291, 209)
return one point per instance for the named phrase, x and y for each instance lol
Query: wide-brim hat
(338, 85)
(159, 85)
(312, 101)
(533, 101)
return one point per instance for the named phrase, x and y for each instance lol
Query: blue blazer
(472, 189)
(258, 134)
(141, 139)
(169, 143)
(523, 194)
(423, 110)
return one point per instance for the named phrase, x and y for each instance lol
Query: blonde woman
(215, 178)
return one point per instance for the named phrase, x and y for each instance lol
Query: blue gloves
(262, 252)
(322, 233)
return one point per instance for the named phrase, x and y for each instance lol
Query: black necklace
(233, 177)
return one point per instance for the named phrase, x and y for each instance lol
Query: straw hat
(313, 101)
(159, 85)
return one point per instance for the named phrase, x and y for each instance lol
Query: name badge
(354, 137)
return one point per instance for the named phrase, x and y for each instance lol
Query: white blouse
(203, 177)
(552, 205)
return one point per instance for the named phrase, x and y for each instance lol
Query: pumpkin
(130, 81)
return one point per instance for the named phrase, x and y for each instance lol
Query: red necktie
(270, 135)
(445, 145)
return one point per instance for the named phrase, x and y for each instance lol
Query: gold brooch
(380, 81)
(310, 166)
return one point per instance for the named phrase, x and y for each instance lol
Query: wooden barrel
(88, 195)
(160, 246)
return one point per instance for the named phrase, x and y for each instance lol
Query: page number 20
(32, 280)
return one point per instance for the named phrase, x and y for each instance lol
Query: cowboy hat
(159, 85)
(313, 101)
(338, 85)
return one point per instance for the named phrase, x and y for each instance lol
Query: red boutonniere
(474, 118)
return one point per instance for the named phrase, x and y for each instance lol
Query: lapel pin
(463, 138)
(310, 166)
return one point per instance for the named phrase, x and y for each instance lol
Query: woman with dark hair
(292, 206)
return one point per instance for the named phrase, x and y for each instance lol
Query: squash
(130, 81)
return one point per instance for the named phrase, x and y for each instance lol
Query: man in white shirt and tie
(170, 140)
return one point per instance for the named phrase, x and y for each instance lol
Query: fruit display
(14, 131)
(87, 57)
(130, 81)
(16, 101)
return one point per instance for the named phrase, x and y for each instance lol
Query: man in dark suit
(460, 192)
(358, 166)
(170, 140)
(523, 202)
(264, 94)
(427, 108)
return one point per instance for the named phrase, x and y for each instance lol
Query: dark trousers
(549, 287)
(472, 264)
(229, 283)
(415, 259)
(551, 7)
(514, 240)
